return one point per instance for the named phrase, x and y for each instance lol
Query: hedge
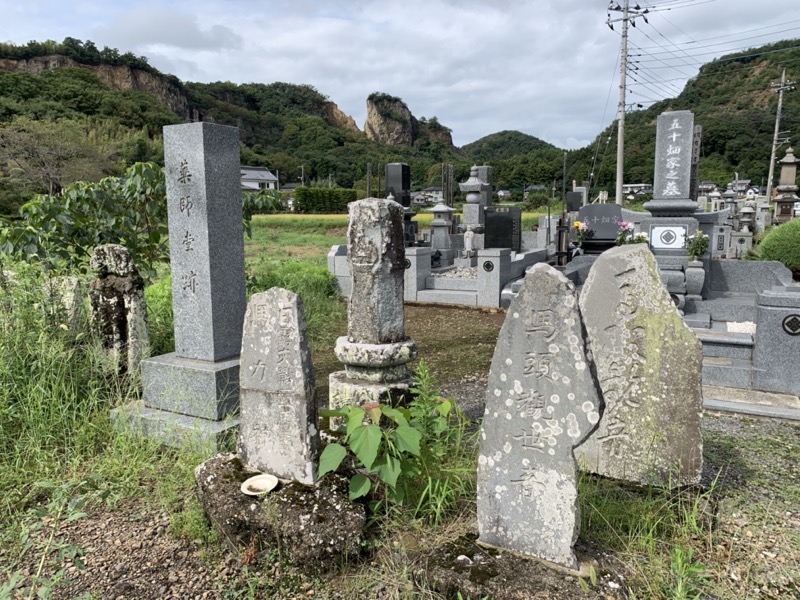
(322, 200)
(782, 243)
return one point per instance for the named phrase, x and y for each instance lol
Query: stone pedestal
(777, 341)
(695, 278)
(375, 351)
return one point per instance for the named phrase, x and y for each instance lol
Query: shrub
(782, 243)
(324, 200)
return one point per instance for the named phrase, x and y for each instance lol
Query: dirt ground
(130, 553)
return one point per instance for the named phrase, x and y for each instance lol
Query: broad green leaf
(395, 415)
(407, 439)
(359, 486)
(364, 442)
(388, 469)
(444, 407)
(355, 417)
(331, 457)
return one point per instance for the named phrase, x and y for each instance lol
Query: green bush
(323, 200)
(782, 243)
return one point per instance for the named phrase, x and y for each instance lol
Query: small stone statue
(119, 311)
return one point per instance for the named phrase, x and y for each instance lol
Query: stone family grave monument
(278, 416)
(191, 393)
(542, 401)
(649, 368)
(375, 351)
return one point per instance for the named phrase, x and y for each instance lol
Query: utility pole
(629, 15)
(783, 86)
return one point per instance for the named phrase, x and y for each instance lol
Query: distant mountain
(115, 104)
(504, 145)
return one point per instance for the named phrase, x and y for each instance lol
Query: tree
(47, 155)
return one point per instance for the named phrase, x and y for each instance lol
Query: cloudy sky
(549, 68)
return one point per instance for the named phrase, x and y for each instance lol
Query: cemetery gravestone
(375, 351)
(673, 165)
(542, 401)
(503, 227)
(601, 219)
(192, 391)
(649, 367)
(278, 416)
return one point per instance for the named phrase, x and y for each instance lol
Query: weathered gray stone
(206, 239)
(377, 257)
(119, 310)
(541, 402)
(313, 527)
(375, 351)
(649, 368)
(278, 416)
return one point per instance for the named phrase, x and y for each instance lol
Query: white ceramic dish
(259, 485)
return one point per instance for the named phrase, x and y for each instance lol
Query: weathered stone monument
(542, 401)
(375, 350)
(119, 310)
(278, 416)
(649, 368)
(193, 393)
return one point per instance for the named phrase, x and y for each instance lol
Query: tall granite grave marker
(375, 350)
(649, 367)
(192, 391)
(673, 168)
(278, 416)
(542, 401)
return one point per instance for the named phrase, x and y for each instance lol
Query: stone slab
(541, 402)
(698, 321)
(751, 410)
(776, 352)
(178, 431)
(204, 211)
(344, 391)
(279, 430)
(451, 283)
(198, 388)
(649, 367)
(448, 297)
(728, 372)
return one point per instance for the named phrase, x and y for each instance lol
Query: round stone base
(375, 355)
(346, 391)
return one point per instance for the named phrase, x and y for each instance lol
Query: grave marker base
(176, 430)
(198, 388)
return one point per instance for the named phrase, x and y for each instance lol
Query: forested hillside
(71, 111)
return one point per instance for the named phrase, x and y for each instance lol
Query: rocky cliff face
(389, 121)
(335, 117)
(122, 78)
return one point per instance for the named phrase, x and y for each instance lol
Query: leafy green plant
(697, 244)
(626, 234)
(414, 454)
(129, 210)
(782, 243)
(380, 454)
(688, 576)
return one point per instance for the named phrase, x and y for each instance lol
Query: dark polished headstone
(503, 227)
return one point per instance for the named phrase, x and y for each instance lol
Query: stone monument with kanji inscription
(278, 416)
(375, 350)
(542, 400)
(649, 367)
(192, 394)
